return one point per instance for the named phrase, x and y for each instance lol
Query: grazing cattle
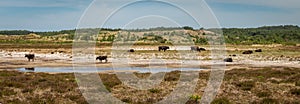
(228, 60)
(248, 52)
(30, 57)
(131, 50)
(164, 48)
(258, 50)
(32, 69)
(196, 48)
(233, 55)
(100, 58)
(202, 49)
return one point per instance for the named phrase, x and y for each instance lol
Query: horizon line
(117, 28)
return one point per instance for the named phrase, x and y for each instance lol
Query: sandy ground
(16, 59)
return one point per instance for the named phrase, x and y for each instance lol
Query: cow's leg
(105, 60)
(33, 60)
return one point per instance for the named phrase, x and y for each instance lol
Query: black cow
(131, 50)
(228, 60)
(258, 50)
(100, 58)
(164, 48)
(30, 57)
(248, 52)
(234, 55)
(202, 49)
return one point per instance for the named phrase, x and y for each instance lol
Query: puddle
(98, 69)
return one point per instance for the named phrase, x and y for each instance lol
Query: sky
(54, 15)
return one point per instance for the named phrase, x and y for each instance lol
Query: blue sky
(50, 15)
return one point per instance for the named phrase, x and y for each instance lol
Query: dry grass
(256, 85)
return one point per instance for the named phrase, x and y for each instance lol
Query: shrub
(7, 92)
(126, 100)
(263, 94)
(260, 77)
(42, 80)
(222, 100)
(153, 90)
(247, 85)
(295, 91)
(297, 83)
(172, 76)
(27, 90)
(194, 98)
(269, 101)
(110, 80)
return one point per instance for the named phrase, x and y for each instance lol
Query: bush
(297, 83)
(195, 97)
(27, 90)
(263, 94)
(7, 92)
(247, 85)
(126, 100)
(153, 90)
(222, 100)
(269, 101)
(295, 91)
(172, 76)
(110, 80)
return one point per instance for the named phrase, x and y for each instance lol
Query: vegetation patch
(222, 100)
(18, 87)
(194, 99)
(246, 85)
(297, 83)
(263, 94)
(154, 90)
(295, 91)
(269, 101)
(110, 80)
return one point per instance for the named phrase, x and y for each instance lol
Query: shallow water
(98, 69)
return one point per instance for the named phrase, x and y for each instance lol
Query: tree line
(284, 34)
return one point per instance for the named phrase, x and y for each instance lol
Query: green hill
(285, 34)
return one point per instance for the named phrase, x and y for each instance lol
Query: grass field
(254, 84)
(257, 85)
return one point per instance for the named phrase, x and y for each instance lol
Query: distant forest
(285, 34)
